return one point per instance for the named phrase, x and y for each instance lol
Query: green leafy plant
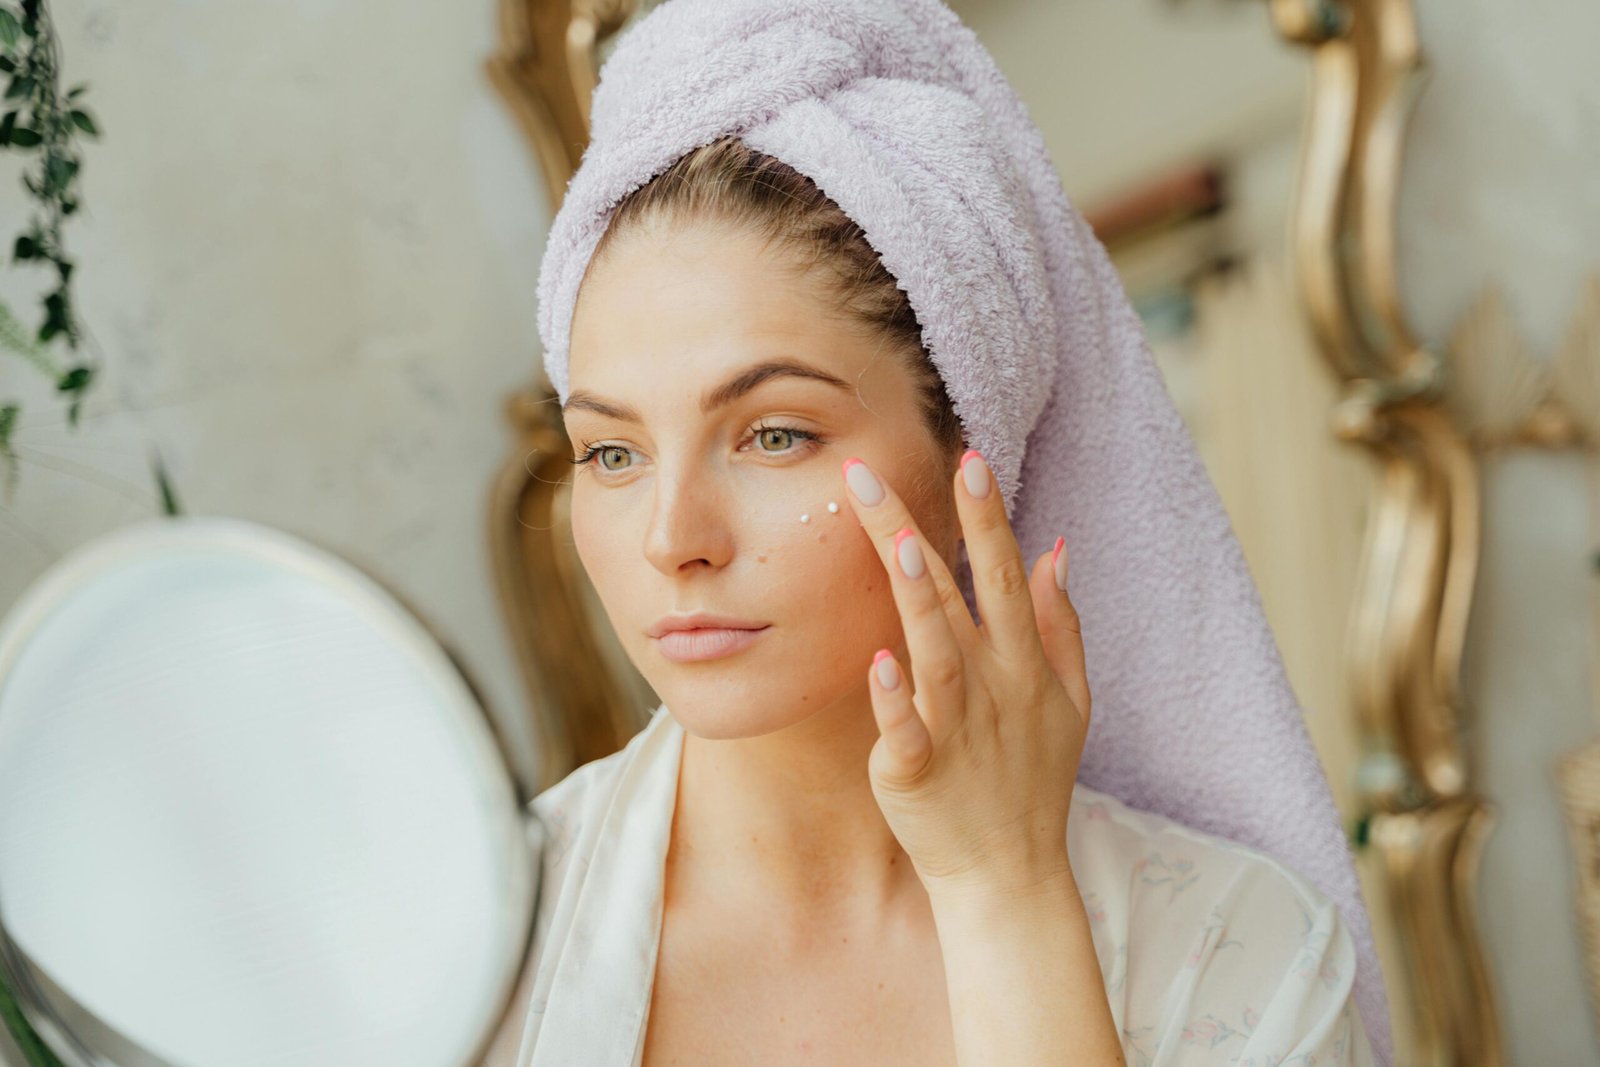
(44, 123)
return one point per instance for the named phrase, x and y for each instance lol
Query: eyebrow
(740, 384)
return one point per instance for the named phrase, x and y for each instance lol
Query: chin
(721, 721)
(721, 704)
(733, 701)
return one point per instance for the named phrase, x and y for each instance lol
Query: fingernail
(888, 672)
(862, 482)
(975, 472)
(909, 552)
(1060, 560)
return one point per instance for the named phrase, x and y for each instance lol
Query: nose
(688, 526)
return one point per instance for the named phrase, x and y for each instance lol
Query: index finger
(883, 518)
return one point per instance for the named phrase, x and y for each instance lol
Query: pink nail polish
(909, 553)
(888, 672)
(975, 472)
(863, 483)
(1059, 559)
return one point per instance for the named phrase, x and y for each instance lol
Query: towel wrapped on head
(897, 112)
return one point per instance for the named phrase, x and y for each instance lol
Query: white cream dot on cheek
(833, 508)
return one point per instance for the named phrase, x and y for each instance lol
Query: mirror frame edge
(1419, 563)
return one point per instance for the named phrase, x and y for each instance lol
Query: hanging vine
(44, 123)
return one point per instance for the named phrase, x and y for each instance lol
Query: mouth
(706, 642)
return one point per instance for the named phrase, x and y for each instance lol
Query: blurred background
(1363, 236)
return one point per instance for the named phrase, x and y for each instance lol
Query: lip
(706, 642)
(701, 635)
(701, 620)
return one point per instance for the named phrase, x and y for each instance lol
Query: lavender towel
(899, 114)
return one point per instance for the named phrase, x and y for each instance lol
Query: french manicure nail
(863, 483)
(975, 472)
(1060, 560)
(888, 672)
(909, 552)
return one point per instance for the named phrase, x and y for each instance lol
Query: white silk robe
(1212, 952)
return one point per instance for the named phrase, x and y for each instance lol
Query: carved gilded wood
(586, 699)
(1420, 558)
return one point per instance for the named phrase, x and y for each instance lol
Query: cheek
(599, 539)
(825, 577)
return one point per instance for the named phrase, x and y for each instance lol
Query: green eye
(788, 441)
(780, 435)
(777, 434)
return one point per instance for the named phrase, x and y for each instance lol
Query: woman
(843, 836)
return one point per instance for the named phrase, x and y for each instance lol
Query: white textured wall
(1122, 88)
(307, 260)
(1503, 184)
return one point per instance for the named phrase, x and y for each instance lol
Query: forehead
(694, 302)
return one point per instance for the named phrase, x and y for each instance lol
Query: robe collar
(599, 991)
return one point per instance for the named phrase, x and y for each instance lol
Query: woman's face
(703, 467)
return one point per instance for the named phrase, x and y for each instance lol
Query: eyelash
(582, 462)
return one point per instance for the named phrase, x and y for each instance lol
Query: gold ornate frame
(583, 693)
(1420, 558)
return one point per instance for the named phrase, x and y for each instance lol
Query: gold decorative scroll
(1505, 395)
(1578, 775)
(546, 69)
(1420, 557)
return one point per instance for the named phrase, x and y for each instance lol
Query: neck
(789, 818)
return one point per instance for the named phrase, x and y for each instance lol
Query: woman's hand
(974, 771)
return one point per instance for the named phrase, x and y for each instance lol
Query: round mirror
(250, 813)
